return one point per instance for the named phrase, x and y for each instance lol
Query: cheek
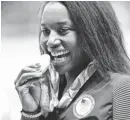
(42, 42)
(72, 41)
(78, 53)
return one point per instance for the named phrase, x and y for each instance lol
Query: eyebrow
(62, 23)
(59, 23)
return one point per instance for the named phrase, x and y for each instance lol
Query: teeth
(55, 54)
(59, 59)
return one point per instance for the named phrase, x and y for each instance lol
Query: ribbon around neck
(50, 87)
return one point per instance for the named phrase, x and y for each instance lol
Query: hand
(28, 87)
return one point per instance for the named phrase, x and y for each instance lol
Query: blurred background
(19, 46)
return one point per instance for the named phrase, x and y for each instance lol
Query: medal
(83, 106)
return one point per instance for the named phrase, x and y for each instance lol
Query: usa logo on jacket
(83, 106)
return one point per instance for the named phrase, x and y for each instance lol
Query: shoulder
(120, 84)
(119, 79)
(121, 95)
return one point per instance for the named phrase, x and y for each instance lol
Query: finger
(20, 73)
(32, 88)
(26, 98)
(25, 70)
(24, 87)
(36, 65)
(28, 76)
(29, 69)
(35, 91)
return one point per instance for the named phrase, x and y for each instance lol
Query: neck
(71, 75)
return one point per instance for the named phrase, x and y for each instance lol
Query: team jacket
(107, 99)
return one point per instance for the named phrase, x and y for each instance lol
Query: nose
(53, 40)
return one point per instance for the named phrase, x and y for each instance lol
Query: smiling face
(59, 39)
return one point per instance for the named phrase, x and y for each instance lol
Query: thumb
(35, 91)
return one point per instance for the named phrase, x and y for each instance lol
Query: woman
(85, 44)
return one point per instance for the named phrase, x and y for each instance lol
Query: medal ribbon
(51, 88)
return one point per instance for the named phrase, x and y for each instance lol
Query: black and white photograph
(65, 60)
